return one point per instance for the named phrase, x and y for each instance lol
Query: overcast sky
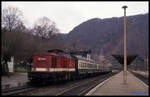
(67, 15)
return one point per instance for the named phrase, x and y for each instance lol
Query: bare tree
(11, 18)
(45, 28)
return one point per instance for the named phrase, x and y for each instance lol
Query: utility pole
(125, 47)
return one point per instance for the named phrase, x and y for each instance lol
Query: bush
(19, 68)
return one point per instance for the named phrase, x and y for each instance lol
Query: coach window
(80, 65)
(86, 66)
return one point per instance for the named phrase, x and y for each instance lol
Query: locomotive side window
(54, 62)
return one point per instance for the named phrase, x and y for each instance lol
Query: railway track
(13, 91)
(83, 88)
(77, 87)
(141, 77)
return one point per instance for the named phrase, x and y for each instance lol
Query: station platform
(115, 86)
(13, 80)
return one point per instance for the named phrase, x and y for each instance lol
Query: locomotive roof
(59, 52)
(55, 50)
(81, 52)
(55, 54)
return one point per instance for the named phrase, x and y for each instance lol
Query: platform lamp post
(125, 47)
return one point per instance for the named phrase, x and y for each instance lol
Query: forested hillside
(105, 36)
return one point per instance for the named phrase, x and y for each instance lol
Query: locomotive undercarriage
(42, 78)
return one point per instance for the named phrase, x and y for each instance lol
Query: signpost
(11, 65)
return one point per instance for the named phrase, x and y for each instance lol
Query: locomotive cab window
(54, 62)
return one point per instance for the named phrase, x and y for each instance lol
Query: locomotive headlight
(47, 69)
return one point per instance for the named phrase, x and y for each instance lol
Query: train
(57, 65)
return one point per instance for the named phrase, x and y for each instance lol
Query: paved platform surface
(14, 79)
(115, 86)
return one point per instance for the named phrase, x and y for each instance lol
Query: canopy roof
(120, 58)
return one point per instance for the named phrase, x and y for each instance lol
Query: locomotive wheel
(66, 77)
(34, 82)
(69, 77)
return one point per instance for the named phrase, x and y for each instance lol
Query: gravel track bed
(141, 77)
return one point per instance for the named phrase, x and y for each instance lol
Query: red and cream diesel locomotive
(56, 65)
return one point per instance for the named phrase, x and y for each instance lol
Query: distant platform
(114, 86)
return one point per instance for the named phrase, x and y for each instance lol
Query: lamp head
(124, 7)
